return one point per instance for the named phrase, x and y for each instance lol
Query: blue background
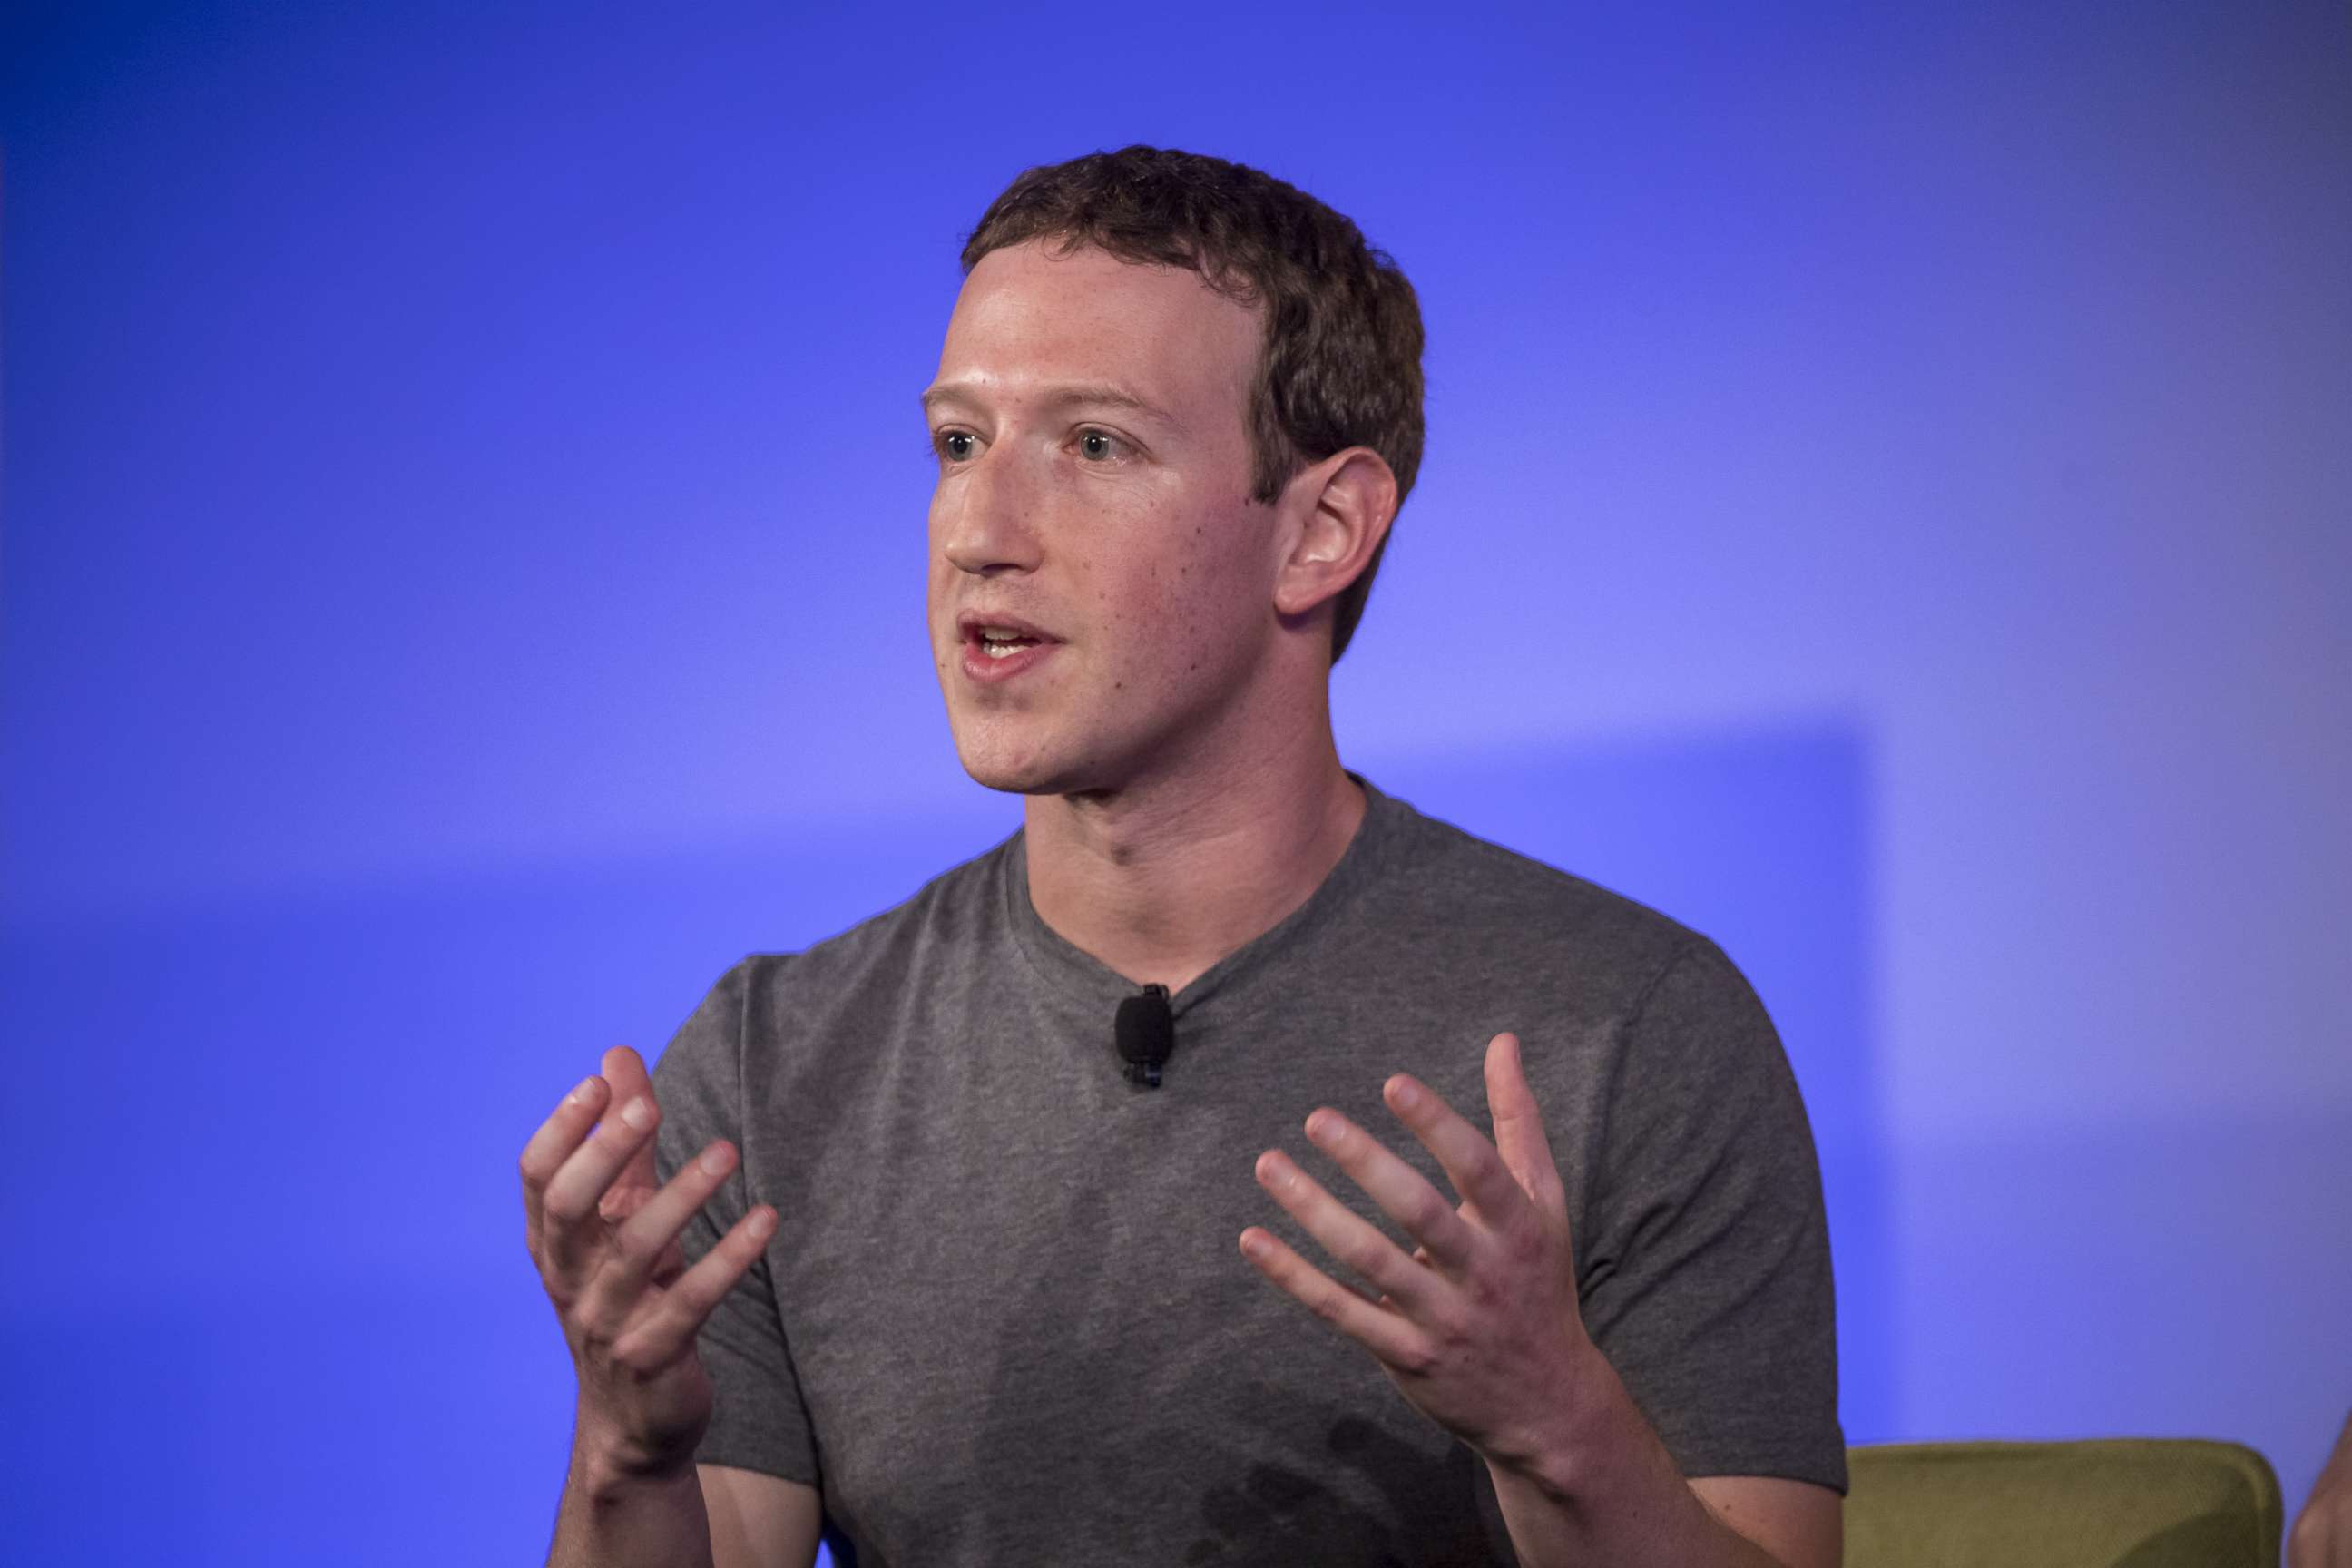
(462, 575)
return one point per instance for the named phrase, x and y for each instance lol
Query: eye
(1097, 445)
(951, 445)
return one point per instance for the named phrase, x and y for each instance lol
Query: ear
(1336, 514)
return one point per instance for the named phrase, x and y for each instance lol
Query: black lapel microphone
(1147, 1033)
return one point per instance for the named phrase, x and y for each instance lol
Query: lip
(984, 670)
(968, 626)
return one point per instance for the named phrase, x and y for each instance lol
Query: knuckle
(587, 1327)
(632, 1248)
(642, 1348)
(623, 1357)
(1525, 1244)
(691, 1300)
(692, 1295)
(1417, 1358)
(567, 1208)
(1451, 1329)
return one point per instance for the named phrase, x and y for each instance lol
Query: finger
(1385, 1333)
(1518, 1125)
(573, 1224)
(1348, 1236)
(644, 1239)
(626, 1070)
(667, 1332)
(553, 1144)
(1403, 1193)
(1472, 1163)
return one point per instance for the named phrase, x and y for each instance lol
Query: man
(974, 1295)
(2321, 1536)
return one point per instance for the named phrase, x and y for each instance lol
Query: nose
(984, 514)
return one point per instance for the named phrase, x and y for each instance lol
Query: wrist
(1556, 1456)
(608, 1470)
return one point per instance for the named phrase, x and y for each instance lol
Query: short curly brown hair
(1341, 361)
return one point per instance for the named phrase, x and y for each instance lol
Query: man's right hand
(604, 1236)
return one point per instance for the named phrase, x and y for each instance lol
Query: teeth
(999, 649)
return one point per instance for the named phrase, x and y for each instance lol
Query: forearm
(608, 1519)
(1604, 1489)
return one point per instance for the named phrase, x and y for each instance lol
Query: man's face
(1094, 482)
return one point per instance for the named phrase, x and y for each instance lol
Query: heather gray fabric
(1004, 1318)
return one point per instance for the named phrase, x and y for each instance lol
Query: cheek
(1217, 581)
(1184, 612)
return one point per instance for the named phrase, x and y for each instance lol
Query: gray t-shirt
(1004, 1318)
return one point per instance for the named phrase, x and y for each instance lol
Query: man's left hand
(1478, 1328)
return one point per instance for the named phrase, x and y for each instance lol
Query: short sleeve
(1706, 1276)
(758, 1419)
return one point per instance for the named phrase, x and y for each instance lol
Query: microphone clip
(1145, 1031)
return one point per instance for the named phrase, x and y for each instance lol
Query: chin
(1000, 762)
(1010, 781)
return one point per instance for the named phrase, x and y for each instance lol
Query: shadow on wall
(266, 1152)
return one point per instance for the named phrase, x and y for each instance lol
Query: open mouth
(1001, 645)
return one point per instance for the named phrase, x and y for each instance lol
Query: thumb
(1518, 1125)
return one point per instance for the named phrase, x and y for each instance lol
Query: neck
(1161, 879)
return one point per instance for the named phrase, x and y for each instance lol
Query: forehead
(1030, 317)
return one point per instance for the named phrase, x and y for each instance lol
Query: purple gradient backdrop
(462, 575)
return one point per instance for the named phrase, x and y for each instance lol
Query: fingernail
(714, 1161)
(580, 1096)
(639, 1114)
(1407, 1096)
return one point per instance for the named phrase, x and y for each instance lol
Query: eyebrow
(1068, 395)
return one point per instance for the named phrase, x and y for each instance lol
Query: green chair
(2122, 1502)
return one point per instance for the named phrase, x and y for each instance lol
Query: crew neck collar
(1232, 983)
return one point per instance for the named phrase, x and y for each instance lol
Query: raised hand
(605, 1235)
(1479, 1328)
(2321, 1535)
